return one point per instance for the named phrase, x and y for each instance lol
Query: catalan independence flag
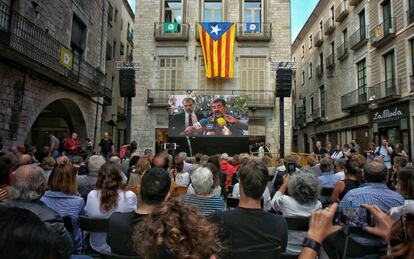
(217, 42)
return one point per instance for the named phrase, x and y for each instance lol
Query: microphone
(196, 126)
(221, 122)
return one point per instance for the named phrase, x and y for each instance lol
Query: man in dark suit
(181, 123)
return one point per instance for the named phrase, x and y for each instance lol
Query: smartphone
(170, 146)
(353, 217)
(291, 168)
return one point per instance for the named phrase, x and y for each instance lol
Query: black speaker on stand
(283, 89)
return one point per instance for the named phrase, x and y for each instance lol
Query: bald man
(25, 159)
(28, 186)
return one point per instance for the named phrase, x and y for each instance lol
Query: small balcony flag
(252, 27)
(66, 57)
(170, 27)
(217, 42)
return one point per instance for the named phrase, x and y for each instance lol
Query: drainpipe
(101, 67)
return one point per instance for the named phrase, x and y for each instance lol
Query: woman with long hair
(405, 187)
(353, 174)
(63, 198)
(141, 167)
(109, 196)
(176, 231)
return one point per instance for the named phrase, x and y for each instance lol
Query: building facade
(119, 48)
(52, 58)
(172, 62)
(353, 78)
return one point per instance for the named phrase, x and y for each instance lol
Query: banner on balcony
(252, 27)
(171, 27)
(66, 57)
(217, 42)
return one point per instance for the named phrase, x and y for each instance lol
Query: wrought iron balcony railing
(357, 98)
(330, 61)
(254, 31)
(342, 51)
(383, 32)
(319, 71)
(171, 31)
(318, 40)
(358, 38)
(387, 89)
(29, 44)
(258, 99)
(329, 26)
(354, 2)
(342, 11)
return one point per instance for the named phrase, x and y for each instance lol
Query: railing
(23, 36)
(300, 116)
(388, 88)
(410, 15)
(354, 2)
(318, 39)
(330, 61)
(357, 97)
(342, 51)
(383, 31)
(412, 84)
(254, 31)
(358, 38)
(130, 37)
(264, 98)
(329, 26)
(342, 11)
(178, 33)
(319, 71)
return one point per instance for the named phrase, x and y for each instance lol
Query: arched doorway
(60, 117)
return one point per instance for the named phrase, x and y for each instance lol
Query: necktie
(190, 120)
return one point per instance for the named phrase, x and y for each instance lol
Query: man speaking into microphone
(223, 122)
(186, 122)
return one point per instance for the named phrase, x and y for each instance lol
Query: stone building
(119, 47)
(52, 58)
(354, 69)
(172, 62)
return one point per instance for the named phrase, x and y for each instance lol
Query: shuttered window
(171, 74)
(253, 79)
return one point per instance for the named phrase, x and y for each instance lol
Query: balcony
(358, 38)
(254, 31)
(329, 26)
(319, 71)
(342, 51)
(354, 2)
(386, 90)
(342, 11)
(410, 15)
(130, 38)
(330, 62)
(318, 40)
(171, 31)
(383, 32)
(357, 100)
(26, 44)
(256, 99)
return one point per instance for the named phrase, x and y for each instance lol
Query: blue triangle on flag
(216, 29)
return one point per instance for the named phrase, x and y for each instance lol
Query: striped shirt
(205, 205)
(4, 194)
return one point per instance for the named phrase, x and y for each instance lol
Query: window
(310, 41)
(122, 24)
(303, 77)
(212, 11)
(386, 14)
(362, 79)
(304, 107)
(333, 15)
(412, 56)
(171, 73)
(389, 66)
(321, 61)
(78, 35)
(303, 51)
(173, 11)
(121, 49)
(252, 11)
(108, 51)
(310, 69)
(253, 77)
(116, 15)
(312, 104)
(345, 36)
(361, 18)
(333, 51)
(323, 101)
(110, 13)
(321, 25)
(114, 49)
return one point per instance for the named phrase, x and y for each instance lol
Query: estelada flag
(217, 42)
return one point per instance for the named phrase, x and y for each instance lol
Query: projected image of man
(186, 122)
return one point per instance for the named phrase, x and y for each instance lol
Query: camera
(170, 146)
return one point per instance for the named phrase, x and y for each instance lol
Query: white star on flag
(215, 29)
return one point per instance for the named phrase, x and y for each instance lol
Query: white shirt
(291, 208)
(187, 116)
(261, 152)
(266, 197)
(182, 179)
(127, 201)
(396, 212)
(341, 175)
(337, 155)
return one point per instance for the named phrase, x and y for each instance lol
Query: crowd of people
(171, 206)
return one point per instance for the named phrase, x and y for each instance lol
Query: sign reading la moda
(387, 114)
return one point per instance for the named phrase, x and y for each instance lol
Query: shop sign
(393, 112)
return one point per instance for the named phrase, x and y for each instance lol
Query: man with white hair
(202, 183)
(188, 168)
(28, 186)
(87, 183)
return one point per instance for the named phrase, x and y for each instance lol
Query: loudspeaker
(283, 82)
(127, 83)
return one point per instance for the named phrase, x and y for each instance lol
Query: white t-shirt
(266, 196)
(127, 201)
(341, 175)
(182, 179)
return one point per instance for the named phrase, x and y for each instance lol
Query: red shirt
(72, 146)
(229, 169)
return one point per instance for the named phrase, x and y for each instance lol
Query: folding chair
(296, 224)
(92, 225)
(351, 230)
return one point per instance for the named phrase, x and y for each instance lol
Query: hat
(224, 156)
